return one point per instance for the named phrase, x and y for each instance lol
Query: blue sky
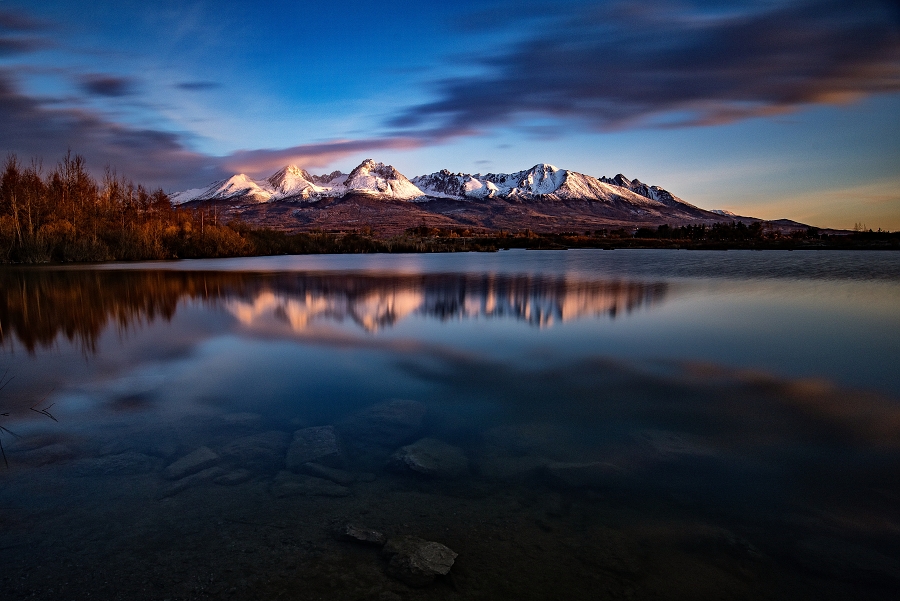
(772, 108)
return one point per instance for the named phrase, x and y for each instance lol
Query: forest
(63, 214)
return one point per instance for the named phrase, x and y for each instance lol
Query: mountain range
(543, 198)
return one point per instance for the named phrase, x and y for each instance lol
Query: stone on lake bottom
(417, 562)
(388, 424)
(288, 484)
(356, 534)
(337, 476)
(238, 476)
(430, 457)
(262, 452)
(173, 488)
(317, 445)
(192, 463)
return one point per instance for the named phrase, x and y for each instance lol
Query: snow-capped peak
(235, 186)
(370, 177)
(292, 181)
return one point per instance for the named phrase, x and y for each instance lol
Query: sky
(768, 108)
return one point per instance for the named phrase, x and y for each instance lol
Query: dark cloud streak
(662, 65)
(11, 45)
(12, 25)
(197, 86)
(11, 21)
(108, 86)
(31, 128)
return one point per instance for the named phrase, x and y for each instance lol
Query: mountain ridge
(369, 177)
(376, 195)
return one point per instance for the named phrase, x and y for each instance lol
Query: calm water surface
(610, 424)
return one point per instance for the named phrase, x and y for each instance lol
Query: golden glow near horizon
(873, 204)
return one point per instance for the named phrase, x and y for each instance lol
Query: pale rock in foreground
(416, 561)
(357, 534)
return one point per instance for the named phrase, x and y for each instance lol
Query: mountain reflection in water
(648, 425)
(36, 306)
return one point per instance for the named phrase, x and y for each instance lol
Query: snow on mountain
(334, 178)
(543, 181)
(379, 179)
(539, 180)
(652, 192)
(235, 186)
(444, 184)
(293, 182)
(547, 182)
(724, 213)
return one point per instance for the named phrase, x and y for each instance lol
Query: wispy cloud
(10, 46)
(312, 155)
(16, 21)
(197, 86)
(110, 86)
(19, 34)
(34, 128)
(663, 64)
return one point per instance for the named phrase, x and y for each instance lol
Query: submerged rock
(238, 476)
(288, 484)
(337, 476)
(315, 445)
(356, 534)
(173, 488)
(430, 457)
(263, 452)
(121, 464)
(388, 424)
(416, 561)
(192, 463)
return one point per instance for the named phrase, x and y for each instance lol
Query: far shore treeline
(63, 214)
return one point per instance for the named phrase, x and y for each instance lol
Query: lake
(579, 424)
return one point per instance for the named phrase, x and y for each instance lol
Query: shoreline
(342, 243)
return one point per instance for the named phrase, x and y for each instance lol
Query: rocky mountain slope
(544, 197)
